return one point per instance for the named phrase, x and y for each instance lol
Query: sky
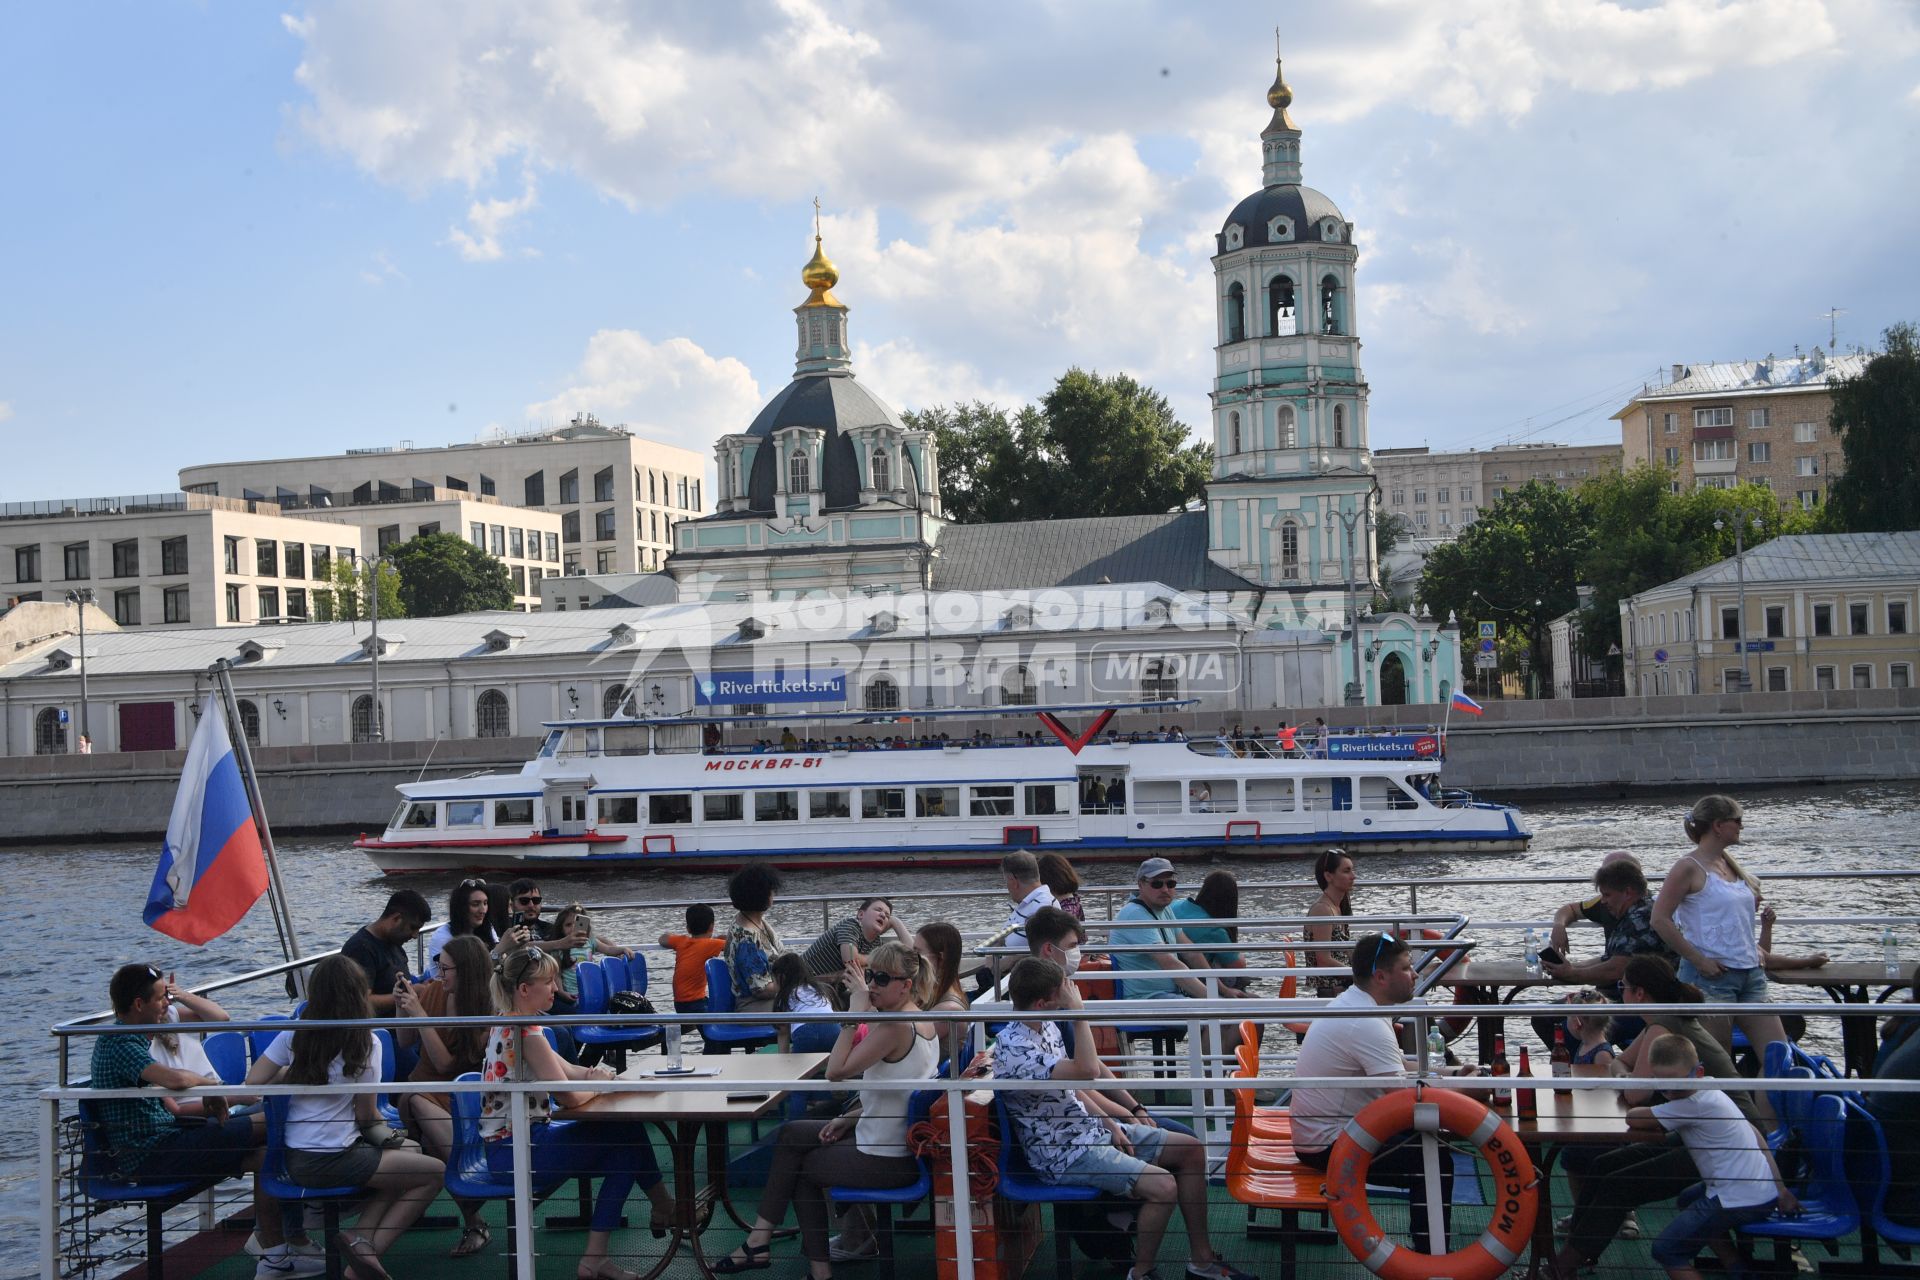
(237, 231)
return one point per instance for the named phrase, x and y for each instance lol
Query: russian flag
(211, 868)
(1461, 702)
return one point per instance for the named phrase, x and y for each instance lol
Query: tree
(1517, 566)
(1390, 531)
(345, 598)
(1093, 446)
(442, 573)
(1877, 413)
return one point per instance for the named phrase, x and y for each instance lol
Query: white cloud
(1914, 96)
(381, 270)
(671, 391)
(489, 219)
(909, 378)
(6, 410)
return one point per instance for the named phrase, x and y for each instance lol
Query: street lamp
(82, 598)
(377, 723)
(1363, 518)
(1741, 518)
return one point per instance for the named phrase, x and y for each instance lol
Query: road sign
(63, 715)
(1659, 655)
(1485, 661)
(1759, 646)
(1486, 646)
(1488, 631)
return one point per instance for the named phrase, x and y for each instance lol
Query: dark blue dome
(1306, 208)
(829, 403)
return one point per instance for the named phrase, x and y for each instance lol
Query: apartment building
(618, 496)
(528, 542)
(1823, 611)
(1763, 422)
(1439, 494)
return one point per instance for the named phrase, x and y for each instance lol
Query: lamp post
(82, 598)
(1741, 518)
(377, 723)
(1363, 518)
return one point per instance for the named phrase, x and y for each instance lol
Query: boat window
(418, 816)
(551, 747)
(1043, 800)
(466, 813)
(1155, 796)
(936, 802)
(1318, 794)
(723, 806)
(883, 802)
(776, 806)
(626, 740)
(1384, 793)
(573, 808)
(990, 802)
(678, 739)
(668, 810)
(620, 809)
(580, 742)
(1209, 747)
(1226, 795)
(513, 813)
(1269, 795)
(828, 804)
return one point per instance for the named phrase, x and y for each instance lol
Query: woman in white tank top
(1706, 913)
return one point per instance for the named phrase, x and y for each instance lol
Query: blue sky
(236, 231)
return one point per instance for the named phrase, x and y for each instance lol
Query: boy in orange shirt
(691, 951)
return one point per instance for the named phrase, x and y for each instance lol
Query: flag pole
(237, 732)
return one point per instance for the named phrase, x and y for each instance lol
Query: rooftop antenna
(1832, 316)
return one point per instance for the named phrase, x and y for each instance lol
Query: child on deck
(691, 951)
(796, 992)
(1588, 1031)
(1741, 1183)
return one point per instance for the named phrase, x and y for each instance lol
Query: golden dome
(820, 275)
(1280, 97)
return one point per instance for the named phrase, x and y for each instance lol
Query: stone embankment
(1517, 751)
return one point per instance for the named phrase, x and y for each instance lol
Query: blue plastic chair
(1020, 1184)
(227, 1051)
(273, 1180)
(1162, 1038)
(257, 1041)
(1827, 1209)
(102, 1183)
(597, 983)
(470, 1177)
(720, 1000)
(1879, 1225)
(883, 1199)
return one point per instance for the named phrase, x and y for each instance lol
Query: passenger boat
(634, 792)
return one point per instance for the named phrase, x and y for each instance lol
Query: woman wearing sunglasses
(812, 1155)
(524, 983)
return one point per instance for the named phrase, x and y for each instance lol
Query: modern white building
(618, 495)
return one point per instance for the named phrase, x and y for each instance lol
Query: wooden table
(1567, 1117)
(681, 1115)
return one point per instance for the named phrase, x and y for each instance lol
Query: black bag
(629, 1002)
(1101, 1229)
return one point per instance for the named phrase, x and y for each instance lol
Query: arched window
(490, 718)
(881, 694)
(882, 470)
(250, 721)
(49, 735)
(1281, 321)
(799, 474)
(1236, 312)
(616, 701)
(1289, 550)
(1283, 426)
(363, 718)
(1233, 432)
(1017, 688)
(1339, 426)
(1331, 321)
(1157, 682)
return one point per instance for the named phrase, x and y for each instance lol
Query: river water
(77, 916)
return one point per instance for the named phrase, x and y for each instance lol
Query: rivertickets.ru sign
(1386, 746)
(731, 688)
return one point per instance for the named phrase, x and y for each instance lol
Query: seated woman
(1218, 898)
(751, 943)
(462, 990)
(524, 983)
(325, 1133)
(796, 992)
(811, 1154)
(469, 914)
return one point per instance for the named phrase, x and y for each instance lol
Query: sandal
(473, 1238)
(605, 1269)
(756, 1259)
(362, 1262)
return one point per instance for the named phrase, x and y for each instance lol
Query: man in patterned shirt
(1623, 908)
(145, 1136)
(1082, 1138)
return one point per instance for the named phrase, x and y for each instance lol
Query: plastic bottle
(1560, 1058)
(1890, 951)
(1526, 1103)
(1436, 1049)
(1532, 949)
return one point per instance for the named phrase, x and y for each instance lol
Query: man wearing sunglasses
(1151, 905)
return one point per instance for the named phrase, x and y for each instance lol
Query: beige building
(1823, 611)
(1762, 422)
(189, 559)
(618, 496)
(1439, 494)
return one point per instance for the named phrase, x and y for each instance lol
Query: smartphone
(748, 1097)
(1551, 955)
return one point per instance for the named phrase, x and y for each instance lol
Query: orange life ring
(1516, 1188)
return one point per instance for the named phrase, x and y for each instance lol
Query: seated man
(1367, 1048)
(1152, 902)
(380, 947)
(1067, 1145)
(1623, 908)
(146, 1137)
(846, 945)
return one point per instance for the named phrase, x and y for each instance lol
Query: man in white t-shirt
(1025, 891)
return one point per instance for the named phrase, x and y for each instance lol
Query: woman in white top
(325, 1142)
(187, 1049)
(469, 911)
(813, 1155)
(1706, 912)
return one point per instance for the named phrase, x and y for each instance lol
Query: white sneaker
(1630, 1227)
(308, 1248)
(279, 1263)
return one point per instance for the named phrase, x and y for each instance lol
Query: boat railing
(78, 1236)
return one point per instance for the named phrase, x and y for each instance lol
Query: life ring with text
(1516, 1198)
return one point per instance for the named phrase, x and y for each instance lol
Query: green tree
(345, 598)
(1877, 413)
(1389, 532)
(441, 573)
(1517, 566)
(984, 451)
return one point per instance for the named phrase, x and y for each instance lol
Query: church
(828, 493)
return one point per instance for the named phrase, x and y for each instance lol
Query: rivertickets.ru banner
(731, 688)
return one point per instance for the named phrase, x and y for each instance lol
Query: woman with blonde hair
(812, 1155)
(1705, 913)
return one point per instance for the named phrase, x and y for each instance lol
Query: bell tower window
(1339, 426)
(1280, 317)
(1289, 550)
(799, 474)
(882, 477)
(1283, 426)
(1332, 303)
(1236, 313)
(1233, 432)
